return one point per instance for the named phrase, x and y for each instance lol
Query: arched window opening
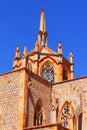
(64, 115)
(80, 122)
(57, 113)
(65, 77)
(38, 115)
(67, 114)
(47, 72)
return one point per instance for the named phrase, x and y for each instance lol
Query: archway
(38, 113)
(67, 115)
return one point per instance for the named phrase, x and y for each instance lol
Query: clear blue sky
(66, 22)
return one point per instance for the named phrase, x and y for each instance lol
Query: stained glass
(48, 72)
(43, 73)
(65, 114)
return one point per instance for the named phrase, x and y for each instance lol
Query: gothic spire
(42, 22)
(43, 35)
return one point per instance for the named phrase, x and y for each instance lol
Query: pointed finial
(59, 48)
(72, 64)
(42, 22)
(71, 57)
(17, 53)
(25, 50)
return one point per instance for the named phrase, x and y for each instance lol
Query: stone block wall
(74, 91)
(39, 88)
(17, 104)
(9, 99)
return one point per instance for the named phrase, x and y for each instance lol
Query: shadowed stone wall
(39, 89)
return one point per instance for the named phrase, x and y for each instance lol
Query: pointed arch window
(80, 122)
(38, 114)
(65, 77)
(47, 72)
(67, 115)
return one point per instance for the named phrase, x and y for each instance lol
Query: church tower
(43, 61)
(41, 93)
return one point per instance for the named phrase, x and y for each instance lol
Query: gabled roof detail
(46, 49)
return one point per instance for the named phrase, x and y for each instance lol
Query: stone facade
(9, 100)
(39, 89)
(40, 92)
(75, 93)
(18, 91)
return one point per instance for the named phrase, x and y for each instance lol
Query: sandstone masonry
(9, 100)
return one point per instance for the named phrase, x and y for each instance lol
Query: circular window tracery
(67, 115)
